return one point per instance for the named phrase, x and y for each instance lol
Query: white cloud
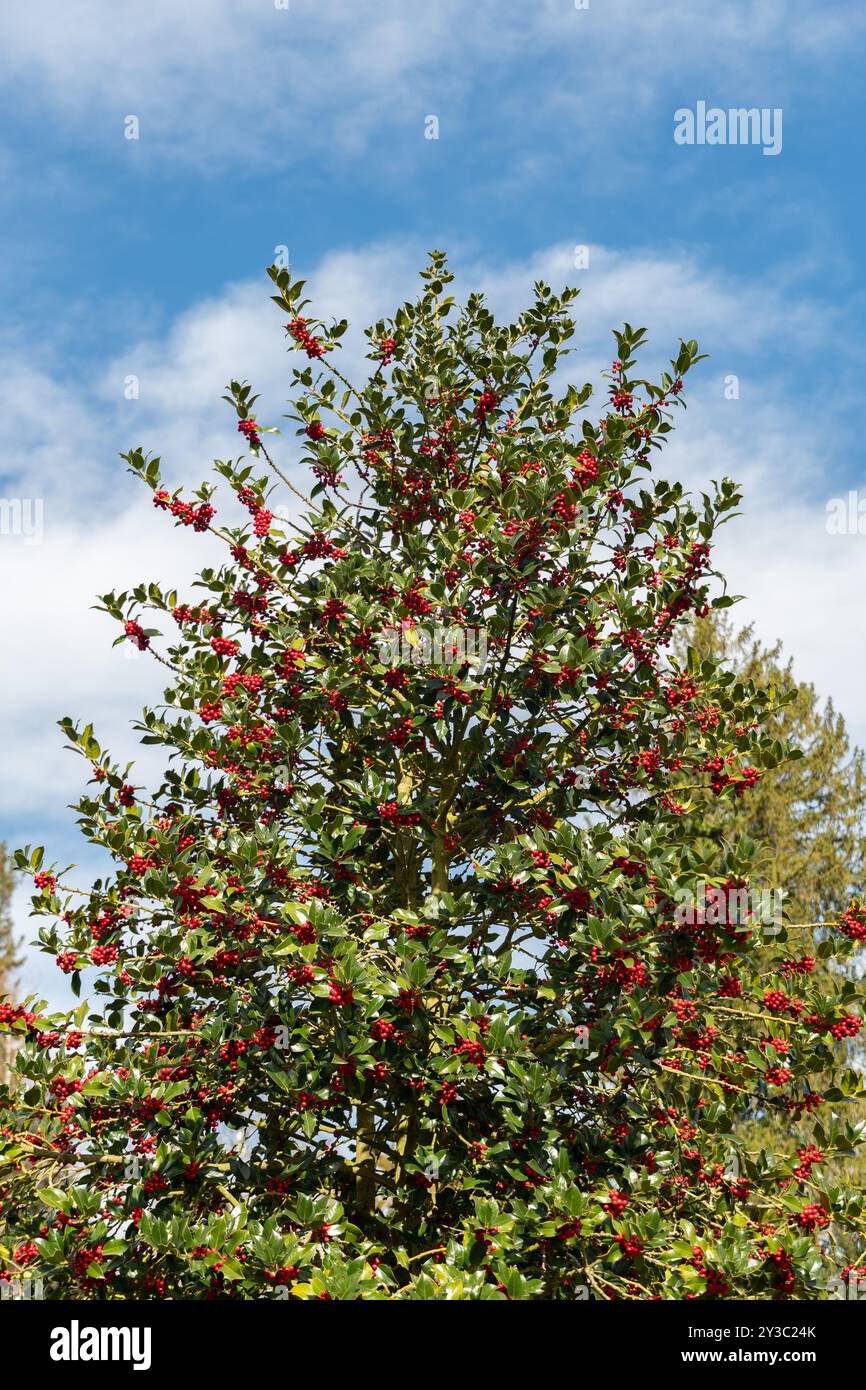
(250, 83)
(240, 334)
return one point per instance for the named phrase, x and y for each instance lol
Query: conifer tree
(806, 817)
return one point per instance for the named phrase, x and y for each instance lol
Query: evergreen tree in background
(807, 817)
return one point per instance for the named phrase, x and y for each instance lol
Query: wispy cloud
(240, 84)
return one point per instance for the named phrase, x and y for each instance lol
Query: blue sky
(304, 126)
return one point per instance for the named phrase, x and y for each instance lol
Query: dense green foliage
(9, 957)
(405, 985)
